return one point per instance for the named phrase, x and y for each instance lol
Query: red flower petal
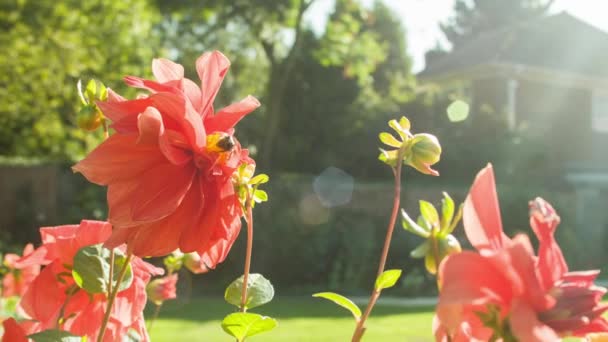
(228, 116)
(211, 68)
(160, 191)
(165, 70)
(526, 326)
(481, 214)
(118, 158)
(13, 332)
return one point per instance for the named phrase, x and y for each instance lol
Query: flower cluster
(171, 168)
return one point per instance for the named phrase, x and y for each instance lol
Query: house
(549, 78)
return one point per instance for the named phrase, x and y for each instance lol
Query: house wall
(560, 118)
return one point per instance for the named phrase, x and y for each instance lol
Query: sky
(421, 19)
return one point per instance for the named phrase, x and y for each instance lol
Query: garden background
(325, 94)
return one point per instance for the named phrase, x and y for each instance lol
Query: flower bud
(423, 151)
(161, 289)
(192, 261)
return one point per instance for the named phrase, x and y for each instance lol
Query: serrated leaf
(55, 336)
(244, 324)
(259, 291)
(389, 140)
(413, 227)
(429, 213)
(342, 301)
(421, 251)
(92, 268)
(458, 111)
(259, 179)
(447, 212)
(387, 279)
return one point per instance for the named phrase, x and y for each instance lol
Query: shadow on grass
(202, 309)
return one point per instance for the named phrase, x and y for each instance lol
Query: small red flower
(504, 289)
(53, 298)
(19, 278)
(162, 289)
(168, 168)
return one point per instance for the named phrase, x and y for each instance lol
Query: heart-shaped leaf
(259, 291)
(387, 279)
(92, 268)
(244, 324)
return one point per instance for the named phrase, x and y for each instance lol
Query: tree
(46, 47)
(473, 17)
(264, 39)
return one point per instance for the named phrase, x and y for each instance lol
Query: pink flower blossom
(504, 289)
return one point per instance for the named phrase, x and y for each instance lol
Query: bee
(220, 142)
(226, 143)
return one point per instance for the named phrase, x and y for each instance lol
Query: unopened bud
(162, 289)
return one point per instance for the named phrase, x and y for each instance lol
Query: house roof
(559, 42)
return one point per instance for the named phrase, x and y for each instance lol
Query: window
(599, 112)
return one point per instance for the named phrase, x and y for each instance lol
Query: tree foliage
(46, 47)
(472, 18)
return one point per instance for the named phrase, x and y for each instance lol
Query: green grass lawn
(300, 319)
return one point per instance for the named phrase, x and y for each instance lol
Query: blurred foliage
(46, 46)
(471, 18)
(358, 67)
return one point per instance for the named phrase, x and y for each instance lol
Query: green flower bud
(422, 152)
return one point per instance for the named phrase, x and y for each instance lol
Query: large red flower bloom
(16, 281)
(53, 298)
(169, 165)
(504, 288)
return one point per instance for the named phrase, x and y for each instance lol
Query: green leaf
(458, 111)
(447, 212)
(428, 211)
(260, 196)
(92, 267)
(244, 324)
(56, 336)
(342, 301)
(389, 140)
(259, 291)
(421, 251)
(413, 227)
(397, 127)
(259, 179)
(387, 279)
(405, 123)
(455, 220)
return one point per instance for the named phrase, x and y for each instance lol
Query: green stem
(106, 317)
(247, 255)
(360, 328)
(154, 317)
(111, 275)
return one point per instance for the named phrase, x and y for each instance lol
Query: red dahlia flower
(503, 290)
(53, 298)
(169, 165)
(18, 279)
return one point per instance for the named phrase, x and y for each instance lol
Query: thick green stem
(360, 328)
(106, 317)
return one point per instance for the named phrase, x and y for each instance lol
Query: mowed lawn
(300, 319)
